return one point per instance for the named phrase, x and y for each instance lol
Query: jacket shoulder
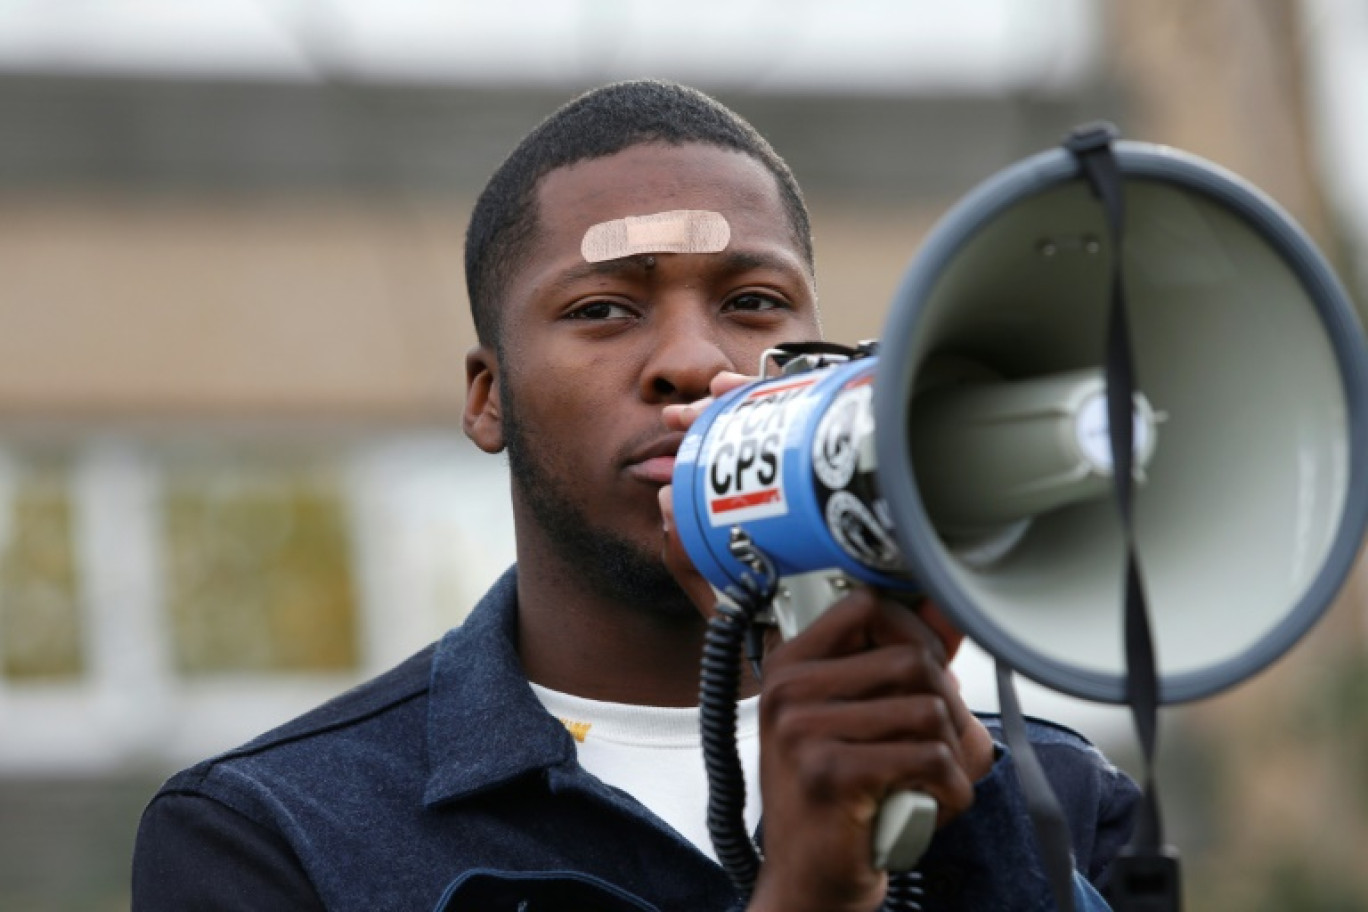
(402, 684)
(1040, 732)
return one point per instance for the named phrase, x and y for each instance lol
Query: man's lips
(655, 462)
(656, 470)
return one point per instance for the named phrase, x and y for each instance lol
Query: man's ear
(482, 419)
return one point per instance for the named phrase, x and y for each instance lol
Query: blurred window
(40, 610)
(258, 567)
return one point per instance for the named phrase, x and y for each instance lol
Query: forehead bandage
(678, 231)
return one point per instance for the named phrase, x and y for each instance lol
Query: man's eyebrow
(623, 266)
(742, 260)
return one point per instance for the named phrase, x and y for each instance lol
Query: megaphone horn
(975, 475)
(1252, 364)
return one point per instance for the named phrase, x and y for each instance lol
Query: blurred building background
(232, 480)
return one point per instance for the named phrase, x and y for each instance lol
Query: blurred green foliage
(40, 612)
(1287, 801)
(259, 573)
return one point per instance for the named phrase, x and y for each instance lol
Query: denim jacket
(444, 785)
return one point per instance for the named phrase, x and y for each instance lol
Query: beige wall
(270, 307)
(135, 307)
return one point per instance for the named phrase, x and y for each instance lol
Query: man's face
(592, 353)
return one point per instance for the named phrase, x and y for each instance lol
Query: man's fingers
(884, 671)
(680, 417)
(888, 694)
(913, 717)
(861, 621)
(860, 776)
(677, 558)
(726, 381)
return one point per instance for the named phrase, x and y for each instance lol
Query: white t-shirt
(655, 754)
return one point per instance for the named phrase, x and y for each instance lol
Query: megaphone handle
(903, 830)
(906, 820)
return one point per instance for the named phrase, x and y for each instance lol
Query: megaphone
(1254, 498)
(968, 445)
(962, 458)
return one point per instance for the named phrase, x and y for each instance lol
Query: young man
(637, 251)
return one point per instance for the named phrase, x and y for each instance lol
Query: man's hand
(859, 705)
(856, 707)
(681, 418)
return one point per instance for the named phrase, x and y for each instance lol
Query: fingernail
(662, 499)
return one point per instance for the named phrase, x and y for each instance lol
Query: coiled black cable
(904, 892)
(730, 627)
(719, 689)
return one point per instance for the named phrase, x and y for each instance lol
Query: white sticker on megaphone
(745, 455)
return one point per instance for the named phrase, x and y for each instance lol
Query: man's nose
(686, 354)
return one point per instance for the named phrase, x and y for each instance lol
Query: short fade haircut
(597, 124)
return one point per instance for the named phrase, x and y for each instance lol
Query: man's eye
(752, 301)
(600, 310)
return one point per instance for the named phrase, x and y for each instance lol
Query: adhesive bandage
(677, 231)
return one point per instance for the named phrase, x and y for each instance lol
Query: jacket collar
(485, 726)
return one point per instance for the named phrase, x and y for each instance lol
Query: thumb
(677, 559)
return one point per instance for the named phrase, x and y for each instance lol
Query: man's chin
(626, 574)
(622, 566)
(628, 570)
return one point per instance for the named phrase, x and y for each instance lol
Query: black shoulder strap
(1146, 876)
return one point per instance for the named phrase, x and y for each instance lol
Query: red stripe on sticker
(741, 501)
(784, 388)
(862, 380)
